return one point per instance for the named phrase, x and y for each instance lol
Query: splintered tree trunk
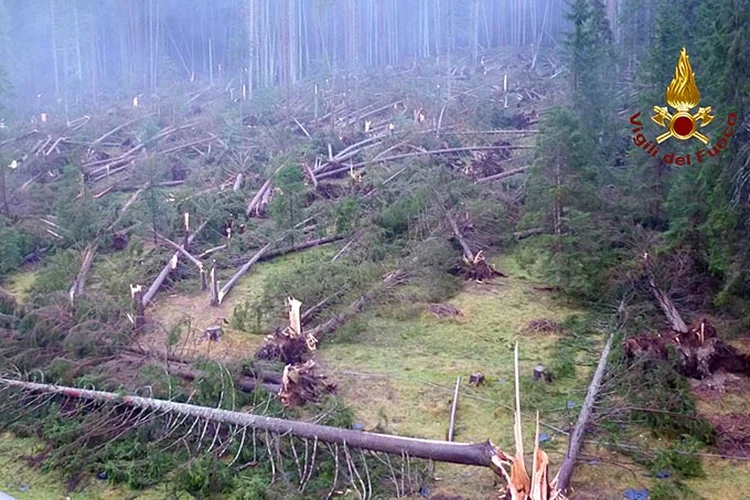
(87, 259)
(136, 293)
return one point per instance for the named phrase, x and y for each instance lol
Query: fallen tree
(519, 484)
(473, 265)
(151, 292)
(700, 350)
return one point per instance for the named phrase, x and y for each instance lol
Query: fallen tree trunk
(502, 175)
(670, 311)
(478, 454)
(151, 292)
(566, 469)
(337, 321)
(78, 285)
(474, 266)
(355, 166)
(295, 350)
(253, 205)
(241, 272)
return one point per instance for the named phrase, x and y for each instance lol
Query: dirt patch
(195, 314)
(719, 384)
(733, 431)
(541, 325)
(444, 310)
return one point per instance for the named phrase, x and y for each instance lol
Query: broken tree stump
(213, 333)
(136, 293)
(476, 379)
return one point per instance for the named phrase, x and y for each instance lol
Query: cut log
(151, 292)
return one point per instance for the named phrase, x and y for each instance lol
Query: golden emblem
(683, 95)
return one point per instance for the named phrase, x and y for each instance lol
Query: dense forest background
(417, 135)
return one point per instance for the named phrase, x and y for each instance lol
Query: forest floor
(396, 365)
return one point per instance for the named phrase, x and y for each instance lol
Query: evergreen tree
(590, 55)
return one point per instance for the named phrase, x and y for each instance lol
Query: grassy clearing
(185, 305)
(396, 366)
(19, 283)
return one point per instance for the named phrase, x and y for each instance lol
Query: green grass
(407, 364)
(19, 283)
(18, 479)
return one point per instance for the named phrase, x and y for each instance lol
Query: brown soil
(733, 432)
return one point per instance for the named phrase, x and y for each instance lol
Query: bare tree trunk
(241, 272)
(53, 24)
(566, 469)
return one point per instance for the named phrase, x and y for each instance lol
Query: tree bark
(670, 311)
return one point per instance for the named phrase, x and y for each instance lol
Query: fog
(77, 51)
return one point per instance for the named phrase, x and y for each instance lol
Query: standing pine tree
(591, 63)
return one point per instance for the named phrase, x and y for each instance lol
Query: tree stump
(214, 333)
(476, 378)
(539, 372)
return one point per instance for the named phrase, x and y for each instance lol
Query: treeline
(73, 50)
(602, 201)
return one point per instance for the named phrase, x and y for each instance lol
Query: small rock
(592, 462)
(622, 426)
(662, 474)
(102, 475)
(23, 487)
(544, 437)
(424, 491)
(501, 380)
(633, 494)
(570, 404)
(358, 426)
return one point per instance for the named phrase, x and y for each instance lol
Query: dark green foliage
(680, 461)
(287, 207)
(11, 246)
(80, 216)
(395, 218)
